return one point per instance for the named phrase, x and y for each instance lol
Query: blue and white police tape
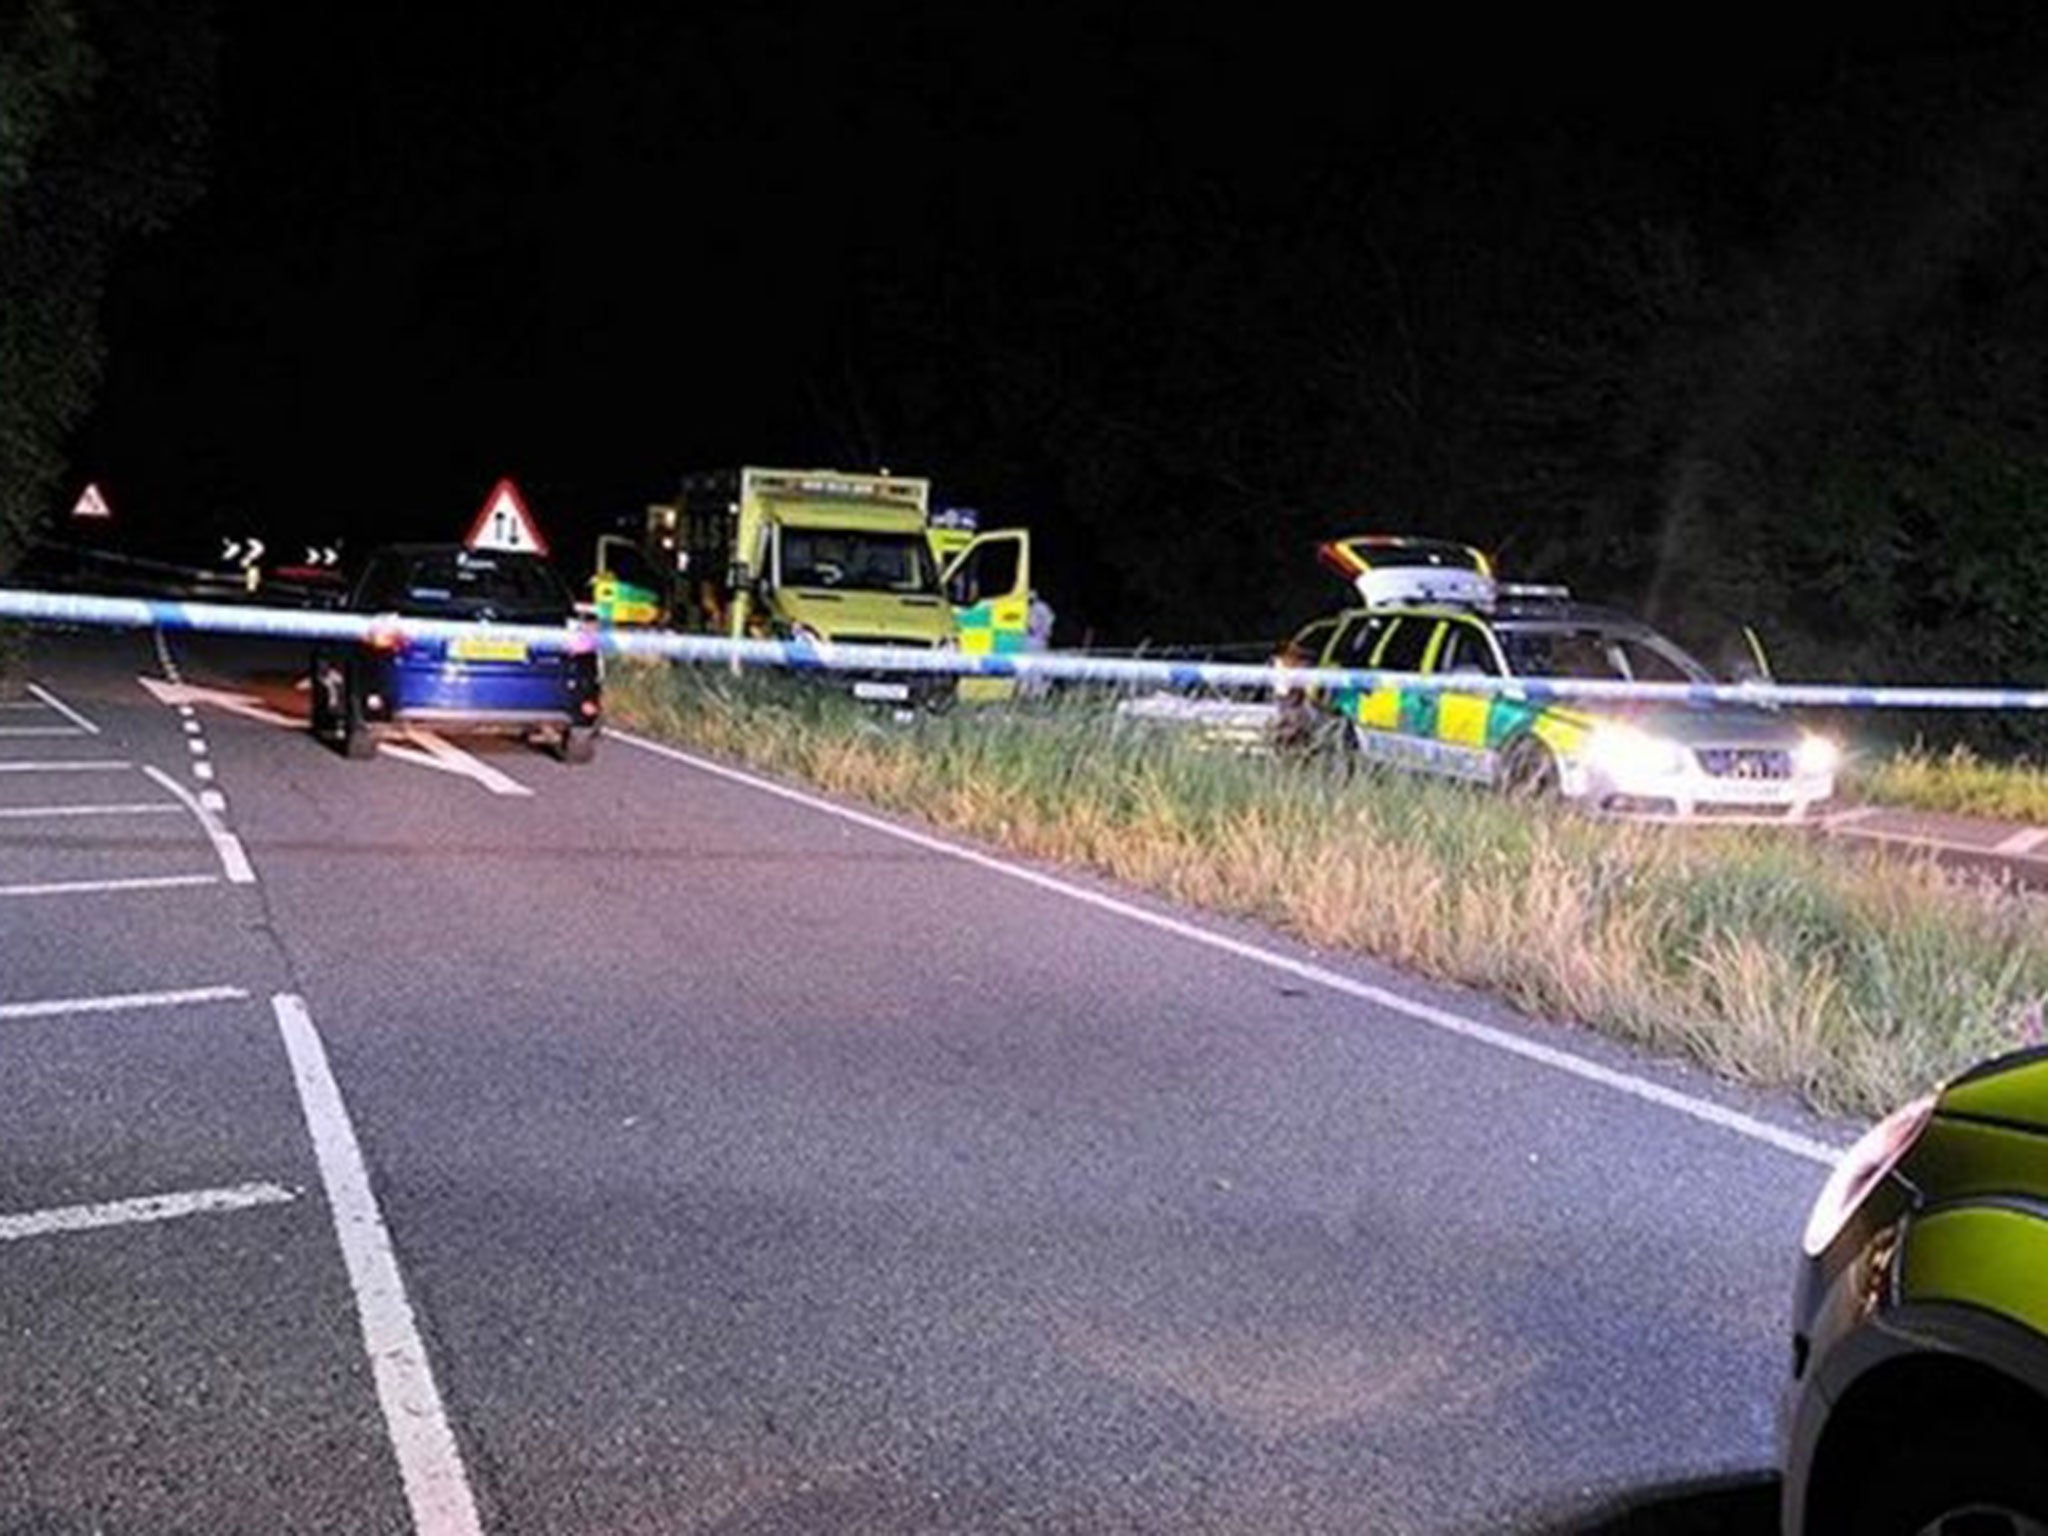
(805, 655)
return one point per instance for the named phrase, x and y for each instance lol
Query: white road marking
(449, 758)
(193, 727)
(120, 1002)
(196, 747)
(2026, 840)
(213, 800)
(36, 812)
(122, 1213)
(94, 765)
(1850, 817)
(1425, 1013)
(97, 887)
(64, 709)
(233, 858)
(41, 730)
(246, 705)
(429, 1461)
(202, 770)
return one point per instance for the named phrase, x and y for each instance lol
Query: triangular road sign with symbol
(506, 524)
(92, 504)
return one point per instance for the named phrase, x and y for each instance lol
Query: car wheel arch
(1950, 1391)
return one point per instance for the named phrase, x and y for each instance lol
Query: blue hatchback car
(470, 683)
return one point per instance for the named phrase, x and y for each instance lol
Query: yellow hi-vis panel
(1380, 710)
(1461, 719)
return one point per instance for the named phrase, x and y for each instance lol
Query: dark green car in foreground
(1919, 1396)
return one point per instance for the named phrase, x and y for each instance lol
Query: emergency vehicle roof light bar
(1389, 569)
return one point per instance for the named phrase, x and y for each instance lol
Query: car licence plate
(473, 648)
(895, 692)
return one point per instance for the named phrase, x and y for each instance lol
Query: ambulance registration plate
(481, 648)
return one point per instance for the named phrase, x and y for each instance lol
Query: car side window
(1466, 649)
(1358, 640)
(1405, 645)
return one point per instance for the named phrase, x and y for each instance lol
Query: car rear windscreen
(464, 584)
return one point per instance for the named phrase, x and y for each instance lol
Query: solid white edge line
(1426, 1013)
(122, 1213)
(63, 709)
(120, 1002)
(37, 812)
(94, 887)
(2024, 841)
(429, 1461)
(234, 859)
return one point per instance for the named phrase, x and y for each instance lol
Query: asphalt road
(727, 1165)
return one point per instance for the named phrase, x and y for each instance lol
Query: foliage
(1815, 408)
(1957, 781)
(103, 110)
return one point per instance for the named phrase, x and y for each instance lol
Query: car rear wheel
(356, 741)
(577, 744)
(1528, 770)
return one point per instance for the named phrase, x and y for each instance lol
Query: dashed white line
(92, 765)
(213, 800)
(100, 887)
(42, 730)
(234, 860)
(202, 770)
(121, 1213)
(120, 1002)
(196, 747)
(64, 709)
(193, 727)
(429, 1461)
(1426, 1013)
(36, 812)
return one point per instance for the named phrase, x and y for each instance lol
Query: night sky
(595, 247)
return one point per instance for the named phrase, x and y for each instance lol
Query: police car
(1434, 608)
(1917, 1403)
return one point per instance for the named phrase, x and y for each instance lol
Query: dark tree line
(1813, 403)
(103, 119)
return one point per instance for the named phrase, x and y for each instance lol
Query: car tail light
(384, 638)
(588, 708)
(1861, 1169)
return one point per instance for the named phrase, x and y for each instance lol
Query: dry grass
(1958, 781)
(1854, 979)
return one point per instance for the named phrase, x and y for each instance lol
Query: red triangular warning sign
(506, 524)
(92, 504)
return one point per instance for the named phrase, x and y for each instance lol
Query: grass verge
(1957, 781)
(1854, 978)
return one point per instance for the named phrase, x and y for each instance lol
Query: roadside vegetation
(1854, 978)
(1957, 781)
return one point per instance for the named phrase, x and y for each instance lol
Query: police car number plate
(894, 692)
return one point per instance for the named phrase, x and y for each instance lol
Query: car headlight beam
(1623, 751)
(1816, 755)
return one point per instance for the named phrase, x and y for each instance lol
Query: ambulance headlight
(1624, 752)
(1815, 756)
